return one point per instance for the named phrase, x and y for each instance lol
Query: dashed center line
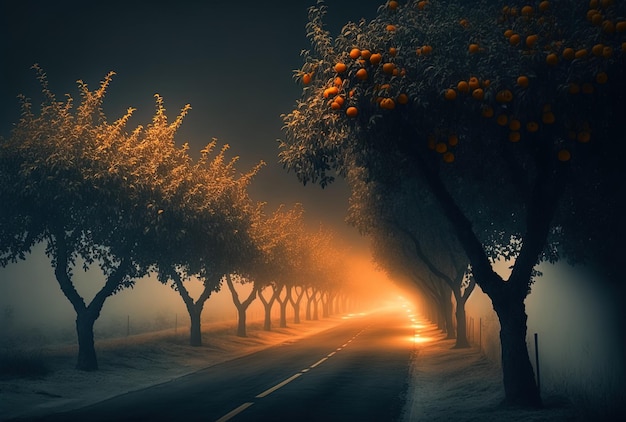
(277, 386)
(318, 362)
(269, 391)
(235, 412)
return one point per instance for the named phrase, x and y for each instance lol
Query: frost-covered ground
(446, 384)
(463, 385)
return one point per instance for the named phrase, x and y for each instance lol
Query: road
(357, 371)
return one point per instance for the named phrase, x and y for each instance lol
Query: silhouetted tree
(507, 112)
(85, 187)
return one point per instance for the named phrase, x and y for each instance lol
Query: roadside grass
(16, 364)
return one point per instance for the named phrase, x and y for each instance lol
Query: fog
(34, 311)
(580, 329)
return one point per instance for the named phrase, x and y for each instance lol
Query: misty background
(233, 63)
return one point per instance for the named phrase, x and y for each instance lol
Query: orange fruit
(388, 68)
(361, 74)
(583, 137)
(335, 105)
(620, 26)
(515, 124)
(532, 126)
(448, 157)
(601, 78)
(569, 53)
(387, 104)
(596, 50)
(473, 48)
(515, 39)
(523, 81)
(587, 88)
(508, 33)
(390, 28)
(544, 6)
(376, 58)
(393, 51)
(340, 67)
(527, 10)
(502, 119)
(402, 99)
(504, 96)
(338, 82)
(441, 147)
(332, 91)
(552, 59)
(608, 27)
(478, 94)
(581, 54)
(450, 94)
(463, 87)
(514, 136)
(352, 111)
(421, 5)
(531, 40)
(355, 53)
(564, 155)
(393, 5)
(339, 100)
(474, 83)
(453, 140)
(366, 54)
(427, 49)
(487, 112)
(306, 78)
(607, 52)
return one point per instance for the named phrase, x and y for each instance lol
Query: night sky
(232, 61)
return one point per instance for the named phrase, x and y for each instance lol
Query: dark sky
(232, 61)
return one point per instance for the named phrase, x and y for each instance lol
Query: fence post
(480, 334)
(537, 363)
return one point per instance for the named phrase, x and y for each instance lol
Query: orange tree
(508, 112)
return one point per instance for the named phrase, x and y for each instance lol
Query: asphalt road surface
(357, 371)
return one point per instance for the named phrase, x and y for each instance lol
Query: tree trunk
(195, 333)
(282, 305)
(520, 386)
(315, 315)
(309, 303)
(461, 322)
(283, 314)
(447, 317)
(87, 360)
(267, 305)
(241, 321)
(325, 304)
(241, 306)
(461, 326)
(295, 303)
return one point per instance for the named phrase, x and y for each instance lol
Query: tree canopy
(506, 111)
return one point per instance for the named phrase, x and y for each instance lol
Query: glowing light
(419, 339)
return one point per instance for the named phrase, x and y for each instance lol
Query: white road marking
(318, 362)
(269, 391)
(234, 412)
(277, 386)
